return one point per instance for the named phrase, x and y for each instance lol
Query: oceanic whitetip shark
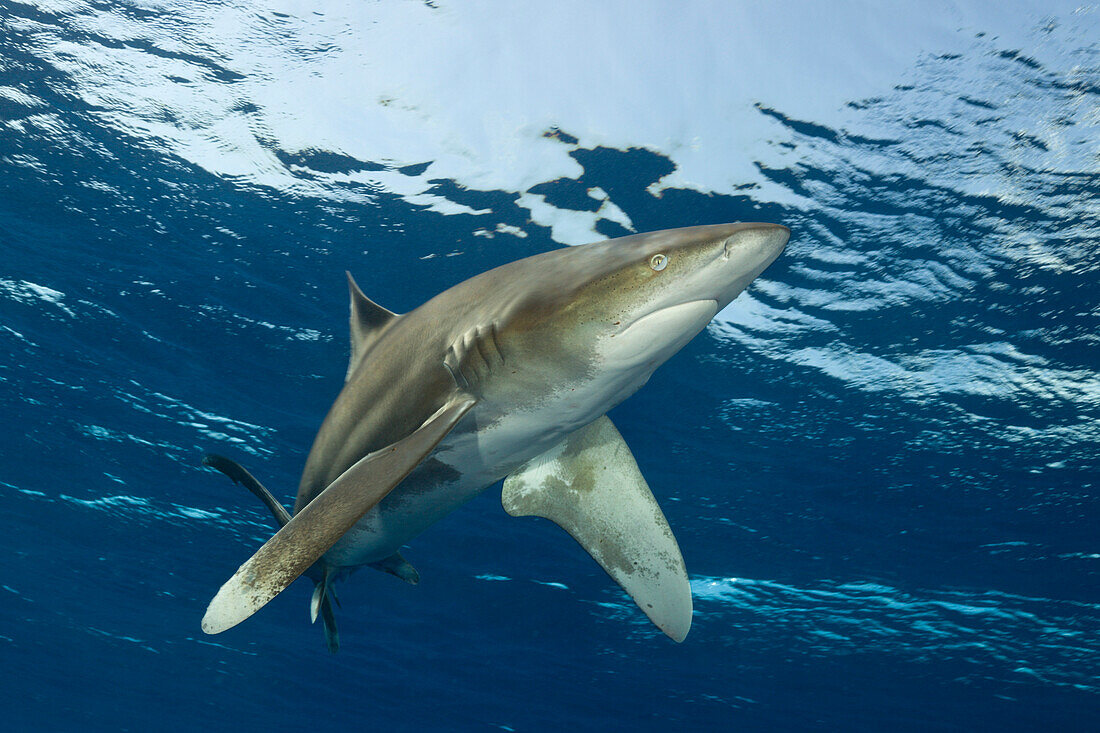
(506, 375)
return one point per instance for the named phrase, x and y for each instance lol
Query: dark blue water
(880, 463)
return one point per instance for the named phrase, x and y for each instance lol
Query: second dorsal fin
(368, 319)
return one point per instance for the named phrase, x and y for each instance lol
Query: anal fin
(590, 485)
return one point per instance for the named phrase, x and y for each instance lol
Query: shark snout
(763, 242)
(747, 253)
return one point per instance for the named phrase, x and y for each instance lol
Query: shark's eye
(658, 262)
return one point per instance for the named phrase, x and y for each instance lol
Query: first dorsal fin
(368, 319)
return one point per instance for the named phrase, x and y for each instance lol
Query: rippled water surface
(880, 462)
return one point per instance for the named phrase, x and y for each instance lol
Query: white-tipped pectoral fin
(324, 520)
(590, 485)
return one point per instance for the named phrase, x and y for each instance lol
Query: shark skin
(505, 375)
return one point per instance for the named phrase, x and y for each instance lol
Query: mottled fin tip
(323, 592)
(313, 530)
(590, 486)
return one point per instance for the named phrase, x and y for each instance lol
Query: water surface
(880, 461)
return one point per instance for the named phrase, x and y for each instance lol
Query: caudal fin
(237, 472)
(332, 636)
(321, 604)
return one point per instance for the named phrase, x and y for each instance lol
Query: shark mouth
(660, 334)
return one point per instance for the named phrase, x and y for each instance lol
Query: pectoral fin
(324, 520)
(590, 485)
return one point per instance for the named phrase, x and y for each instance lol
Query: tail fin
(322, 593)
(237, 472)
(332, 636)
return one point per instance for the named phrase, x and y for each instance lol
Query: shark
(507, 375)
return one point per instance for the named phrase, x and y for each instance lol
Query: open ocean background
(881, 462)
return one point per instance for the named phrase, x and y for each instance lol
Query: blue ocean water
(880, 463)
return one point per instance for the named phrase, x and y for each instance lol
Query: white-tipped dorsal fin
(589, 485)
(368, 320)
